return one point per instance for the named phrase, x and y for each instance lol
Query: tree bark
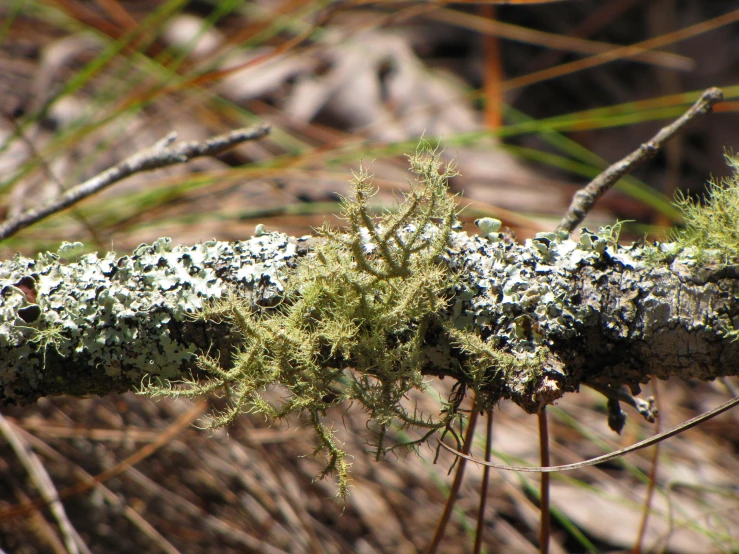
(597, 313)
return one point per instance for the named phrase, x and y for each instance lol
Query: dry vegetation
(85, 84)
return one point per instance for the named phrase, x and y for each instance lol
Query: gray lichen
(114, 317)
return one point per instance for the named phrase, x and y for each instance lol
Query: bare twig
(645, 407)
(456, 484)
(545, 527)
(613, 455)
(650, 485)
(479, 532)
(585, 199)
(161, 154)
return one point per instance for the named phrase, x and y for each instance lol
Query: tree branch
(585, 199)
(595, 315)
(161, 154)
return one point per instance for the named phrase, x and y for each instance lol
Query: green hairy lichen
(363, 299)
(711, 227)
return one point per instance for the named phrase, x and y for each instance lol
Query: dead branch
(161, 154)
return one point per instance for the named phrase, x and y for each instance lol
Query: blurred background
(531, 99)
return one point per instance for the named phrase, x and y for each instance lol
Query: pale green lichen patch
(521, 294)
(709, 239)
(714, 224)
(114, 313)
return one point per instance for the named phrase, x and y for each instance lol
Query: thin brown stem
(493, 76)
(652, 482)
(545, 526)
(456, 484)
(479, 532)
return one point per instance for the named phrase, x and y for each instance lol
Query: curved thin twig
(613, 455)
(162, 154)
(585, 199)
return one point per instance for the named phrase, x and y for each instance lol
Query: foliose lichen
(113, 314)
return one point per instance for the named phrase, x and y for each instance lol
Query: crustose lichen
(363, 299)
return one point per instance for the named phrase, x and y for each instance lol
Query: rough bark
(595, 312)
